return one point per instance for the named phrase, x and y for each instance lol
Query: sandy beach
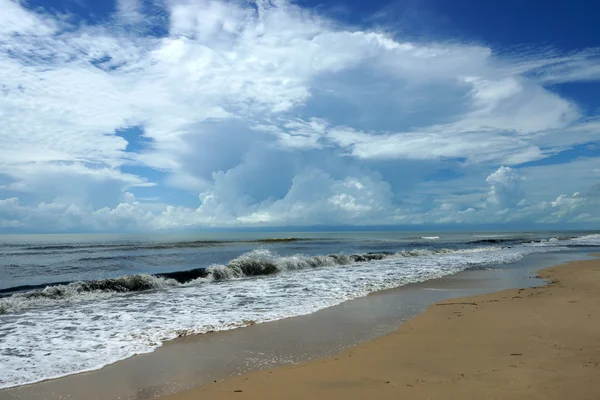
(535, 343)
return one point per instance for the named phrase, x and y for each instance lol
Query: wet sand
(533, 343)
(193, 361)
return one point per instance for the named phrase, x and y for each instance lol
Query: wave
(503, 240)
(556, 239)
(592, 237)
(512, 240)
(260, 262)
(112, 258)
(134, 246)
(81, 291)
(585, 241)
(279, 240)
(264, 262)
(128, 246)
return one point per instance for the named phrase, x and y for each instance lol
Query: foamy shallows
(65, 326)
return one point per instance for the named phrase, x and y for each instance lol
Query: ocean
(74, 303)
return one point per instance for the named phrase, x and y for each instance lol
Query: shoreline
(174, 367)
(530, 343)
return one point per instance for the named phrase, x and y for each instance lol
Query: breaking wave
(81, 291)
(587, 240)
(256, 263)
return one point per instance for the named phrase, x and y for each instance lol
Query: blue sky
(138, 115)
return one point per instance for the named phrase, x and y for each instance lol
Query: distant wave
(593, 237)
(133, 246)
(511, 240)
(279, 240)
(503, 240)
(126, 246)
(587, 240)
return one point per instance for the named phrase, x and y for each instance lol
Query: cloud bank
(192, 114)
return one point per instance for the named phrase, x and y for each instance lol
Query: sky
(161, 115)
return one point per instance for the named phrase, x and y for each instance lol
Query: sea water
(76, 303)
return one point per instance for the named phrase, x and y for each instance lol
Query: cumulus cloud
(350, 200)
(507, 201)
(267, 114)
(505, 188)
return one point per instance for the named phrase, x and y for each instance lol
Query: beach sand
(536, 343)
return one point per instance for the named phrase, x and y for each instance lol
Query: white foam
(591, 240)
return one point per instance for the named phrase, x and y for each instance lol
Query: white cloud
(505, 188)
(14, 19)
(476, 146)
(273, 115)
(56, 216)
(316, 198)
(579, 67)
(72, 183)
(129, 11)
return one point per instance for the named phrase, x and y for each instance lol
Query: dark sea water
(72, 303)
